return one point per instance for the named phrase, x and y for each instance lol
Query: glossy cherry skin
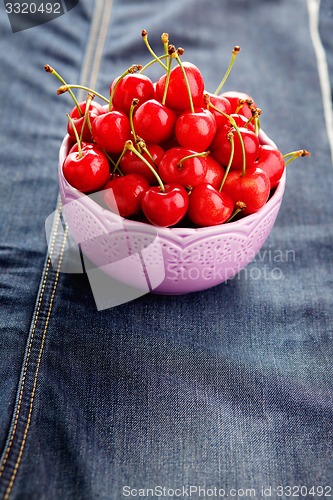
(223, 105)
(131, 164)
(177, 94)
(89, 173)
(153, 122)
(209, 207)
(234, 97)
(95, 110)
(123, 194)
(215, 173)
(241, 121)
(195, 130)
(253, 188)
(221, 148)
(271, 161)
(84, 145)
(132, 86)
(165, 208)
(111, 130)
(188, 173)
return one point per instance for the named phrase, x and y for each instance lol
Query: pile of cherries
(170, 152)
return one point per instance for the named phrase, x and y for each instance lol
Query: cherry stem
(167, 80)
(117, 167)
(175, 54)
(257, 125)
(86, 119)
(112, 162)
(204, 154)
(230, 137)
(295, 154)
(153, 61)
(240, 104)
(235, 51)
(53, 72)
(165, 41)
(130, 147)
(68, 87)
(240, 205)
(256, 112)
(144, 34)
(250, 120)
(130, 71)
(135, 102)
(76, 135)
(234, 124)
(143, 146)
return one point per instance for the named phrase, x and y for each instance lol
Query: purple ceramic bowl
(164, 260)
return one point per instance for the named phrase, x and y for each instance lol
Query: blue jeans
(226, 391)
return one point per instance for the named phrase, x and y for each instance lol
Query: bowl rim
(177, 231)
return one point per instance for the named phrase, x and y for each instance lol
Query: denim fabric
(228, 388)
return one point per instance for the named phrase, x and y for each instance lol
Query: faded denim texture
(227, 388)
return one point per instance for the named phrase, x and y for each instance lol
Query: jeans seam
(26, 362)
(104, 9)
(102, 37)
(32, 395)
(323, 73)
(84, 76)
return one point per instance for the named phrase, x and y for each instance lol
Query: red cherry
(234, 98)
(154, 122)
(188, 172)
(253, 188)
(132, 86)
(208, 206)
(223, 105)
(271, 161)
(84, 145)
(215, 173)
(165, 208)
(196, 130)
(221, 148)
(123, 195)
(177, 94)
(87, 173)
(241, 121)
(95, 110)
(111, 130)
(130, 163)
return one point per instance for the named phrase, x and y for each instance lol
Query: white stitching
(313, 10)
